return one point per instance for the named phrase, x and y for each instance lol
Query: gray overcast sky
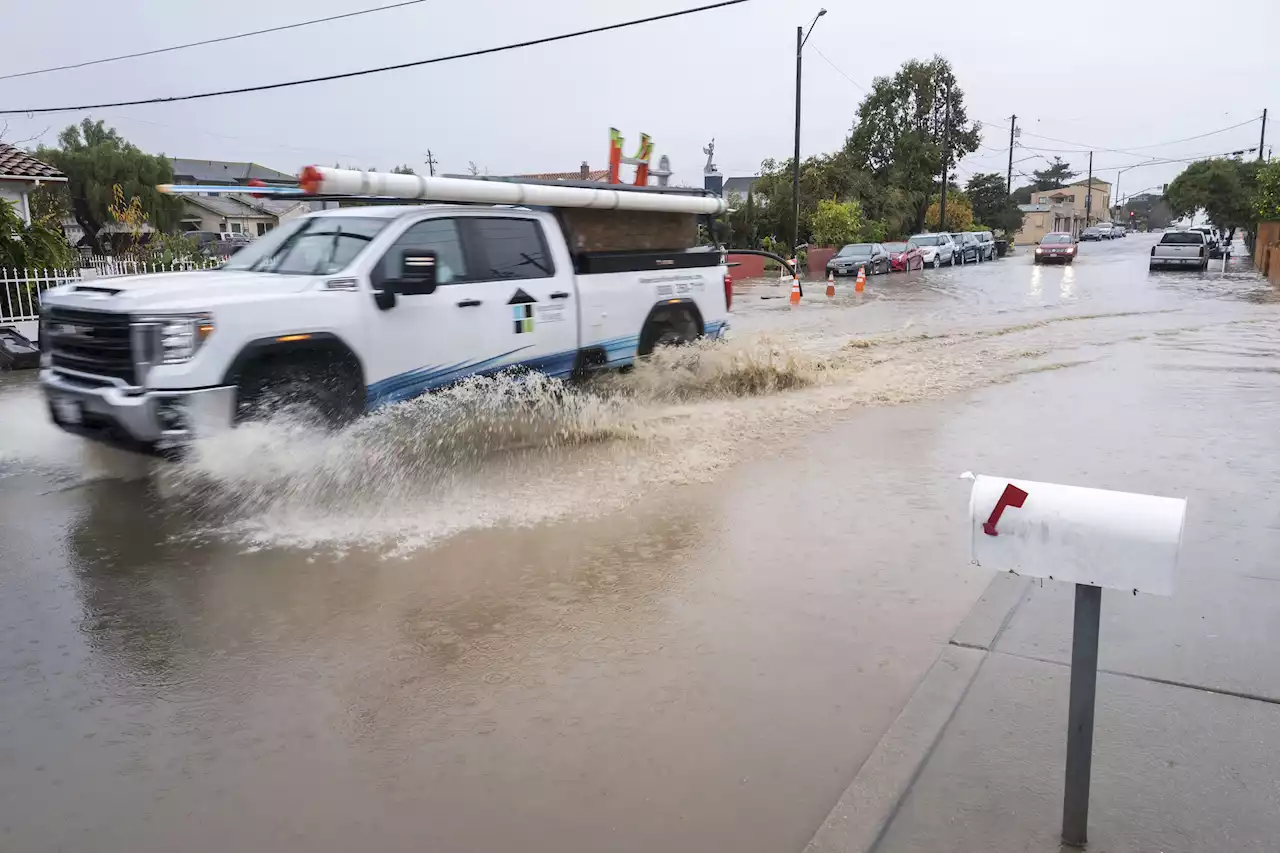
(1113, 74)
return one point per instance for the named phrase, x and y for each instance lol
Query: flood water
(671, 610)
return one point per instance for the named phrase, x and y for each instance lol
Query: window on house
(1072, 198)
(1044, 199)
(235, 227)
(222, 226)
(263, 228)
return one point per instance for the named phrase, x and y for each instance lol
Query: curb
(867, 807)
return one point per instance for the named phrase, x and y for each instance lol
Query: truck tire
(324, 391)
(668, 327)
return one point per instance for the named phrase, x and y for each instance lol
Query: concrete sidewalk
(976, 760)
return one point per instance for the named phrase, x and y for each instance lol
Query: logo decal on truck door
(522, 315)
(522, 311)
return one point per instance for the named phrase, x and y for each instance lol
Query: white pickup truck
(345, 310)
(1180, 249)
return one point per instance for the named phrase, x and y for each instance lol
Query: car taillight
(1202, 248)
(728, 291)
(1153, 251)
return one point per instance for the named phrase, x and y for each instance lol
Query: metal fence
(20, 289)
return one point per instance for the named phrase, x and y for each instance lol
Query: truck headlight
(175, 338)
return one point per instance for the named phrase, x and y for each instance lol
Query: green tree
(836, 223)
(992, 206)
(95, 159)
(1266, 200)
(35, 245)
(403, 170)
(907, 126)
(1057, 175)
(959, 214)
(1224, 189)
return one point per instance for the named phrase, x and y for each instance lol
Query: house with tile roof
(20, 175)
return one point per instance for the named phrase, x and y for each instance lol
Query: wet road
(672, 611)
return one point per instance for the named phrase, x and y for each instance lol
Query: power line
(838, 71)
(1086, 147)
(210, 41)
(398, 67)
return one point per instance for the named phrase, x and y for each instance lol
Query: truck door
(534, 313)
(428, 339)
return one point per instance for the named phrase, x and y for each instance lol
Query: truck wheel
(326, 393)
(668, 328)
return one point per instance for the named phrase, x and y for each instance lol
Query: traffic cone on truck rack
(795, 290)
(831, 284)
(862, 279)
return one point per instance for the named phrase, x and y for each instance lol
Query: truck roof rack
(321, 180)
(318, 183)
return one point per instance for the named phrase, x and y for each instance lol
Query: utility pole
(795, 163)
(1262, 142)
(1008, 182)
(801, 38)
(1088, 195)
(946, 155)
(431, 163)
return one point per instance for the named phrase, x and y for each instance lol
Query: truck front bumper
(146, 421)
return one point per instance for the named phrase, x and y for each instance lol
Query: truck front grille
(93, 342)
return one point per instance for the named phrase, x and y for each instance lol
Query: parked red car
(904, 256)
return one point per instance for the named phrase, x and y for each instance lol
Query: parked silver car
(936, 249)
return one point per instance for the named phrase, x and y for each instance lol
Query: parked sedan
(1091, 233)
(968, 249)
(1057, 247)
(870, 256)
(935, 249)
(986, 245)
(904, 256)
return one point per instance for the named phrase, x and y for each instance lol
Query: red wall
(818, 261)
(751, 266)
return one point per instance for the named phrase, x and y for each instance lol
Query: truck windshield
(318, 245)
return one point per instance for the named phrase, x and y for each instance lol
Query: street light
(801, 38)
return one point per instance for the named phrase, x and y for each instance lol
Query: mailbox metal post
(1084, 691)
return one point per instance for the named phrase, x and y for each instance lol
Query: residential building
(20, 175)
(584, 173)
(235, 213)
(1071, 208)
(227, 173)
(238, 213)
(741, 186)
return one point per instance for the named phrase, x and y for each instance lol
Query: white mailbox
(1101, 538)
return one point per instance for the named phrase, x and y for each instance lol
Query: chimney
(585, 171)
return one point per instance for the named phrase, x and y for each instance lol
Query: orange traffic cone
(795, 290)
(862, 279)
(831, 284)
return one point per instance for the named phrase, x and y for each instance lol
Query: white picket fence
(20, 289)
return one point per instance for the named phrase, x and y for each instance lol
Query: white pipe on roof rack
(324, 180)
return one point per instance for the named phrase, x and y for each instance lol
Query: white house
(20, 173)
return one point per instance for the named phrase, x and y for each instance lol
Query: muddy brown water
(674, 610)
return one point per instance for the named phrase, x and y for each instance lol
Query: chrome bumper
(136, 419)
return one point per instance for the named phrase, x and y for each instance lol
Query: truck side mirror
(417, 271)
